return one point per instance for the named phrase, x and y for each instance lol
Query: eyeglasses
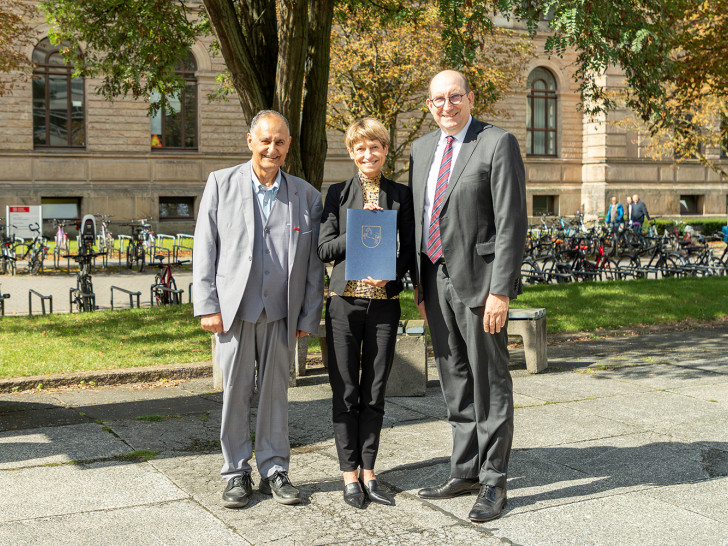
(455, 99)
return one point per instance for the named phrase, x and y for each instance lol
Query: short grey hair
(264, 114)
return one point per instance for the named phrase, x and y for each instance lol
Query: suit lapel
(245, 182)
(466, 150)
(293, 215)
(422, 168)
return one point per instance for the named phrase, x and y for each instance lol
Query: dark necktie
(434, 245)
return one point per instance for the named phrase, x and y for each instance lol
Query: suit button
(267, 230)
(267, 251)
(250, 258)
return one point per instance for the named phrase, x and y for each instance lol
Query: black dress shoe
(238, 491)
(376, 494)
(453, 487)
(281, 488)
(353, 495)
(491, 500)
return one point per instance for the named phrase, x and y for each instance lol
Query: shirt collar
(459, 137)
(257, 185)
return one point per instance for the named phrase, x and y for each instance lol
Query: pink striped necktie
(434, 245)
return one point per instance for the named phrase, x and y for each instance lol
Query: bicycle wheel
(530, 272)
(35, 263)
(610, 270)
(668, 267)
(173, 297)
(129, 255)
(3, 265)
(140, 258)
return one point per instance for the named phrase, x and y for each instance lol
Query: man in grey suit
(258, 285)
(468, 185)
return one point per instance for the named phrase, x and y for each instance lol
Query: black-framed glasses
(454, 99)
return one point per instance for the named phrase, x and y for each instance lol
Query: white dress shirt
(266, 196)
(435, 169)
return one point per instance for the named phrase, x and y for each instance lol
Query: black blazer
(332, 237)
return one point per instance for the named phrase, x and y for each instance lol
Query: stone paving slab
(707, 498)
(165, 523)
(715, 393)
(664, 412)
(41, 446)
(556, 424)
(71, 489)
(633, 518)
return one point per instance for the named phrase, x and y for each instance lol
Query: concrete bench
(530, 326)
(409, 368)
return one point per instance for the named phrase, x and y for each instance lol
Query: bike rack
(3, 297)
(160, 238)
(83, 295)
(131, 297)
(178, 245)
(176, 294)
(189, 294)
(42, 302)
(121, 238)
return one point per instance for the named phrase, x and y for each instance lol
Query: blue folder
(371, 244)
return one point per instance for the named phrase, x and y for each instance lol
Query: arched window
(58, 100)
(541, 116)
(178, 128)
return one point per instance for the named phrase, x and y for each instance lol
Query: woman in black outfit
(362, 316)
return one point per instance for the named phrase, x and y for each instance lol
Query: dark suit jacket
(332, 239)
(483, 220)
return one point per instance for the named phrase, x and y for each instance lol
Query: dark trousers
(474, 376)
(361, 335)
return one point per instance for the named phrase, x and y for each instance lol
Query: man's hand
(212, 323)
(369, 206)
(421, 308)
(301, 333)
(496, 313)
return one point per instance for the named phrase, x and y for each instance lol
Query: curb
(109, 377)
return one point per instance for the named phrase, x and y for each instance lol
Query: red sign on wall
(19, 209)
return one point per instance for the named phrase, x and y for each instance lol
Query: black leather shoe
(281, 488)
(491, 500)
(376, 494)
(353, 495)
(453, 487)
(238, 491)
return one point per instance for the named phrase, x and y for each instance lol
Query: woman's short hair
(366, 129)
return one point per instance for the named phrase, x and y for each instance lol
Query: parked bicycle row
(558, 257)
(83, 298)
(134, 250)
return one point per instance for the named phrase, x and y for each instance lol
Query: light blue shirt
(266, 196)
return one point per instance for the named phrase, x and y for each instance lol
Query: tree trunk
(289, 74)
(313, 123)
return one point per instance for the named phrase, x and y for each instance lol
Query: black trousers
(361, 336)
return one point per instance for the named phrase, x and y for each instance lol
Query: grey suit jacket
(223, 249)
(483, 220)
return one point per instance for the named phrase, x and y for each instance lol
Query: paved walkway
(622, 441)
(58, 284)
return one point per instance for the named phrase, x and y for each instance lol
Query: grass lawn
(141, 337)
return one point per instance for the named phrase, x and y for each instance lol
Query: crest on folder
(371, 236)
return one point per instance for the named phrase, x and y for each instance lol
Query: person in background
(615, 219)
(362, 316)
(639, 212)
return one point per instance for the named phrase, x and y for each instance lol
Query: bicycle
(37, 250)
(164, 290)
(83, 295)
(105, 239)
(8, 258)
(141, 239)
(61, 243)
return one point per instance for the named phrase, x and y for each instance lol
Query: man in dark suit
(468, 185)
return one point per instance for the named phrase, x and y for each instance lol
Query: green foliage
(15, 35)
(133, 46)
(707, 226)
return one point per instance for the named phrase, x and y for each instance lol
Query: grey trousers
(474, 376)
(237, 352)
